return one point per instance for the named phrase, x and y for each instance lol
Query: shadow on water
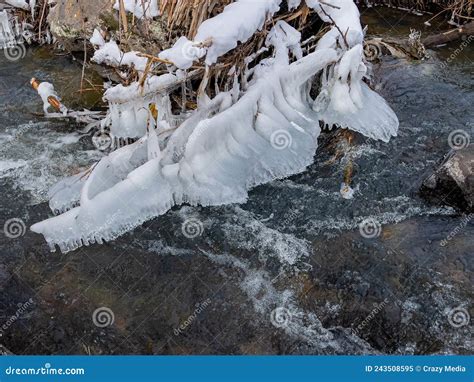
(289, 272)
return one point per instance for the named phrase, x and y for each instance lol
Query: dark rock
(4, 350)
(453, 181)
(4, 275)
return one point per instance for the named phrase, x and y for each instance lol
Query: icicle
(352, 104)
(128, 105)
(153, 144)
(7, 36)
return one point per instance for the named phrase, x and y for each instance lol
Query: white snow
(97, 38)
(346, 16)
(147, 8)
(22, 4)
(292, 4)
(237, 23)
(110, 54)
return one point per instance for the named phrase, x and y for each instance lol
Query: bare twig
(334, 23)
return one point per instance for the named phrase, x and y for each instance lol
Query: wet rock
(4, 275)
(58, 334)
(453, 181)
(71, 21)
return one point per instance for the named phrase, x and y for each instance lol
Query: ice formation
(128, 113)
(46, 90)
(22, 4)
(241, 138)
(6, 32)
(11, 30)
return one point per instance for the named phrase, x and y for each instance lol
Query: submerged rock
(453, 181)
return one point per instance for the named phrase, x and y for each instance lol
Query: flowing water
(286, 273)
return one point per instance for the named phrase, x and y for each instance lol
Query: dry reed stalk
(123, 16)
(189, 14)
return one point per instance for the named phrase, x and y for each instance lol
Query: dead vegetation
(183, 17)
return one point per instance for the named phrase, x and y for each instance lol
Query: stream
(289, 272)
